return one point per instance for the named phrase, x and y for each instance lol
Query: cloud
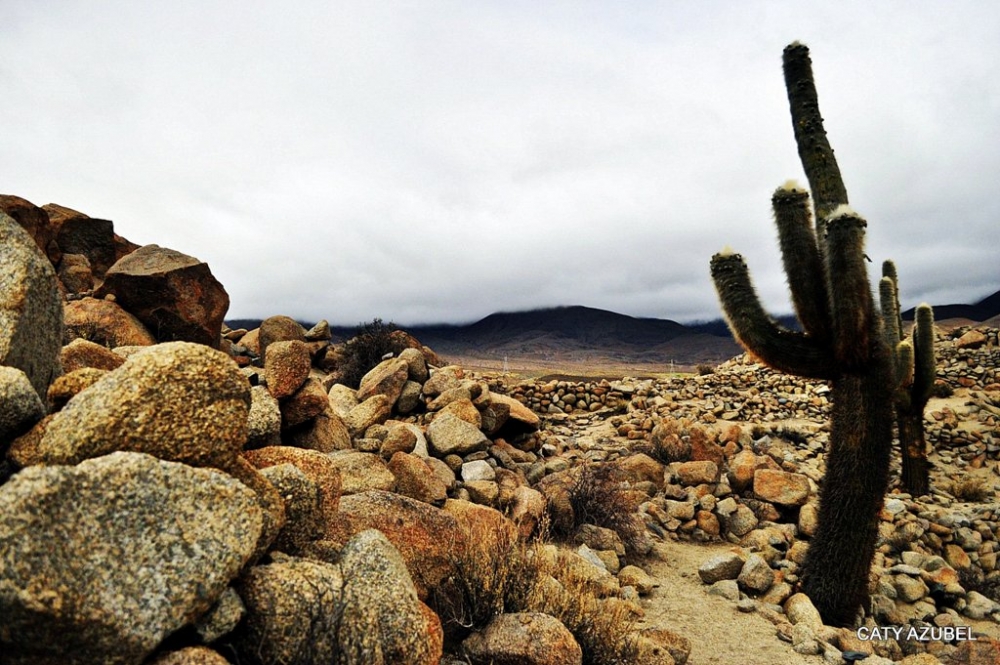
(440, 161)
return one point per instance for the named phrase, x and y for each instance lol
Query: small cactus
(914, 374)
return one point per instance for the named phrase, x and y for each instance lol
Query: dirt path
(719, 633)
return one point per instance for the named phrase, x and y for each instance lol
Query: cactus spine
(841, 341)
(914, 372)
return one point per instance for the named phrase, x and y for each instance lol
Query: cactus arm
(784, 350)
(925, 366)
(851, 303)
(889, 270)
(801, 258)
(817, 158)
(888, 305)
(903, 370)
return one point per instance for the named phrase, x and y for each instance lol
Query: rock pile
(185, 492)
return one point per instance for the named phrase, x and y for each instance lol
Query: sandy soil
(719, 633)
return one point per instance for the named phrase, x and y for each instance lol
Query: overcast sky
(440, 161)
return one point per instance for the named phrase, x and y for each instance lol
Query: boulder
(449, 434)
(309, 401)
(725, 566)
(68, 385)
(698, 472)
(190, 656)
(105, 323)
(145, 547)
(89, 237)
(278, 329)
(415, 479)
(781, 487)
(20, 406)
(386, 378)
(174, 295)
(263, 420)
(82, 353)
(293, 609)
(326, 432)
(373, 411)
(304, 518)
(361, 472)
(317, 467)
(428, 538)
(520, 420)
(286, 368)
(382, 621)
(177, 401)
(523, 638)
(75, 273)
(31, 317)
(34, 220)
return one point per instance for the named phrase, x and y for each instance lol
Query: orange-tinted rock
(787, 489)
(82, 353)
(428, 538)
(31, 218)
(276, 329)
(105, 323)
(174, 295)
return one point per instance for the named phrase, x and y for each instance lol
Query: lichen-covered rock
(523, 638)
(787, 489)
(271, 503)
(31, 319)
(293, 608)
(20, 406)
(68, 385)
(428, 538)
(317, 467)
(448, 434)
(386, 378)
(174, 295)
(309, 401)
(415, 479)
(278, 329)
(382, 622)
(304, 519)
(725, 566)
(178, 401)
(263, 420)
(81, 353)
(373, 411)
(326, 432)
(360, 472)
(286, 367)
(144, 547)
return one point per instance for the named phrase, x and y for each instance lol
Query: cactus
(841, 341)
(914, 372)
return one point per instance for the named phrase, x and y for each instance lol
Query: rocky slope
(178, 492)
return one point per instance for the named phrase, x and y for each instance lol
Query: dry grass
(597, 498)
(500, 574)
(971, 489)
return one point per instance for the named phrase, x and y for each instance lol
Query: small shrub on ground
(669, 443)
(705, 370)
(971, 489)
(598, 498)
(371, 342)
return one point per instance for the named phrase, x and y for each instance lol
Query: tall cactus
(914, 372)
(840, 341)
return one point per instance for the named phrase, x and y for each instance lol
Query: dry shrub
(971, 489)
(494, 574)
(598, 498)
(670, 443)
(605, 628)
(371, 342)
(705, 370)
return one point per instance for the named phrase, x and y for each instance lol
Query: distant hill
(579, 333)
(987, 308)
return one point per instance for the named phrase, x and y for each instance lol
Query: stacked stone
(557, 397)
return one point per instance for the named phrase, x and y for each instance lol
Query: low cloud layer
(439, 161)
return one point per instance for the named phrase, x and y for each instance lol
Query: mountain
(987, 308)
